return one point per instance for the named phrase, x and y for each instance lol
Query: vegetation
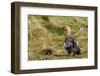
(46, 36)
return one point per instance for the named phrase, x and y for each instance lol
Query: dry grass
(46, 32)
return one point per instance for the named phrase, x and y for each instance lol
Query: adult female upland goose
(71, 44)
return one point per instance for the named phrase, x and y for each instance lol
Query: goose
(70, 43)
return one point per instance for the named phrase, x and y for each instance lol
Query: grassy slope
(46, 32)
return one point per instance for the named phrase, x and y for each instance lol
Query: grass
(46, 32)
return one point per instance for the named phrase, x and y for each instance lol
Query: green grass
(46, 32)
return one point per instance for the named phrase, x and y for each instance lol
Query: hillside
(46, 33)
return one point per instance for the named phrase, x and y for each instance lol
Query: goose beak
(65, 29)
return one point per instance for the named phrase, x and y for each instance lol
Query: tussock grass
(46, 33)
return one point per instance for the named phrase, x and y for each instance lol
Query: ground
(46, 33)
